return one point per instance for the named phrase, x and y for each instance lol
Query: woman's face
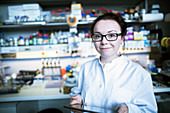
(104, 47)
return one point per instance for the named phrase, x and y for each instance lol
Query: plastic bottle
(2, 41)
(136, 14)
(83, 35)
(46, 63)
(11, 41)
(130, 33)
(95, 15)
(31, 40)
(131, 14)
(87, 15)
(15, 42)
(86, 34)
(58, 62)
(59, 37)
(21, 41)
(53, 38)
(91, 15)
(126, 15)
(6, 42)
(145, 34)
(45, 39)
(83, 17)
(119, 13)
(34, 39)
(50, 63)
(49, 40)
(143, 11)
(39, 39)
(65, 38)
(154, 72)
(93, 11)
(26, 41)
(80, 34)
(111, 11)
(54, 63)
(100, 11)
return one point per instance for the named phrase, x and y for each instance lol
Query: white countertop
(39, 92)
(35, 92)
(160, 88)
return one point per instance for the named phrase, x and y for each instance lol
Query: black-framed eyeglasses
(109, 37)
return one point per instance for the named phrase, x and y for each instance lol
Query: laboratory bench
(34, 98)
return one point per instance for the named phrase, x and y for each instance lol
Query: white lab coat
(121, 81)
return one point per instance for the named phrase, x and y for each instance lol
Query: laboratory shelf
(40, 24)
(62, 57)
(15, 49)
(160, 88)
(31, 59)
(53, 51)
(48, 24)
(145, 50)
(33, 24)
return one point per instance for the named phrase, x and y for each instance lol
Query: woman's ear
(122, 39)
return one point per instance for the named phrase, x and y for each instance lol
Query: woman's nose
(104, 40)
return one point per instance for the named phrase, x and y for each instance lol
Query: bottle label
(30, 42)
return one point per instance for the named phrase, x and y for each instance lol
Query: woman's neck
(107, 59)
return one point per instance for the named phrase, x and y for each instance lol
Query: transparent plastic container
(59, 15)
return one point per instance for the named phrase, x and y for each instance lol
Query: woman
(113, 81)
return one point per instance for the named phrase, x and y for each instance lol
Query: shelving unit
(6, 50)
(124, 4)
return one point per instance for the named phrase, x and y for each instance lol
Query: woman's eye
(97, 36)
(111, 35)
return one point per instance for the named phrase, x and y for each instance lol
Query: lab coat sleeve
(143, 100)
(77, 90)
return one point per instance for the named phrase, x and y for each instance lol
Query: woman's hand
(76, 106)
(76, 100)
(122, 108)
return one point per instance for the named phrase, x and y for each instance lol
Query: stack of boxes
(14, 14)
(25, 12)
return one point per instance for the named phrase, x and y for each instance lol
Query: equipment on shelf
(27, 76)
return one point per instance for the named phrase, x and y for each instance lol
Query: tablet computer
(91, 109)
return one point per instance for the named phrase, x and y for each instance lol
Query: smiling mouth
(104, 48)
